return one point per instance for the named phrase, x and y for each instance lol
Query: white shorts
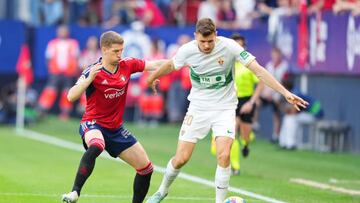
(198, 123)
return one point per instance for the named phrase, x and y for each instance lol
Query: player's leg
(246, 130)
(136, 157)
(95, 145)
(195, 127)
(235, 147)
(183, 153)
(223, 171)
(276, 121)
(235, 150)
(223, 127)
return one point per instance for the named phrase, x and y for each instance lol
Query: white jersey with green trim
(212, 74)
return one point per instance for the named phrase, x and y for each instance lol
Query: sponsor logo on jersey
(112, 93)
(104, 82)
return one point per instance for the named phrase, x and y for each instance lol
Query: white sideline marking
(325, 186)
(77, 147)
(335, 181)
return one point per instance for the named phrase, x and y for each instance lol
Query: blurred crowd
(65, 60)
(228, 14)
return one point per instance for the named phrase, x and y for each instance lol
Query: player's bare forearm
(267, 78)
(164, 69)
(78, 89)
(154, 65)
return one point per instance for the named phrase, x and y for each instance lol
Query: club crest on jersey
(112, 93)
(220, 61)
(122, 78)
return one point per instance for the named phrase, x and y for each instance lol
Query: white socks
(222, 178)
(169, 177)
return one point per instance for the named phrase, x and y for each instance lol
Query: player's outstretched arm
(270, 81)
(154, 64)
(164, 69)
(81, 85)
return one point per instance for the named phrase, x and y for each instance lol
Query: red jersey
(106, 94)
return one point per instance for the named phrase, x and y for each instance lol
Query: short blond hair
(110, 37)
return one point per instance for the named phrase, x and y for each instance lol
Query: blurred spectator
(88, 12)
(208, 9)
(244, 13)
(176, 101)
(293, 120)
(147, 12)
(347, 5)
(88, 56)
(319, 5)
(266, 6)
(152, 106)
(91, 53)
(8, 103)
(279, 68)
(118, 12)
(77, 8)
(165, 7)
(23, 11)
(3, 9)
(284, 9)
(62, 60)
(138, 43)
(226, 15)
(35, 12)
(52, 12)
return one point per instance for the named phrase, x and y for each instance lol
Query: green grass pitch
(36, 172)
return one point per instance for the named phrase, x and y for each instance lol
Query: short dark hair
(110, 37)
(205, 27)
(237, 36)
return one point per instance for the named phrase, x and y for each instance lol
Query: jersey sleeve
(179, 59)
(86, 72)
(135, 65)
(239, 52)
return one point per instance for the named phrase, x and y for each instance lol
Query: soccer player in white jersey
(213, 100)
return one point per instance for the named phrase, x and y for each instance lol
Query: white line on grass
(77, 147)
(335, 181)
(324, 186)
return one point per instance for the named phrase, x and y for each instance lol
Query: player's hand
(94, 71)
(296, 101)
(247, 107)
(152, 83)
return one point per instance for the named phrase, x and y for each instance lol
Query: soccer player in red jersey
(105, 84)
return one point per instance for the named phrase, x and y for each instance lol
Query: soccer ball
(234, 199)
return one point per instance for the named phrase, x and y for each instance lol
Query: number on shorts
(188, 119)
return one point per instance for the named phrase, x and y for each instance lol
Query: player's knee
(96, 142)
(146, 170)
(178, 162)
(223, 157)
